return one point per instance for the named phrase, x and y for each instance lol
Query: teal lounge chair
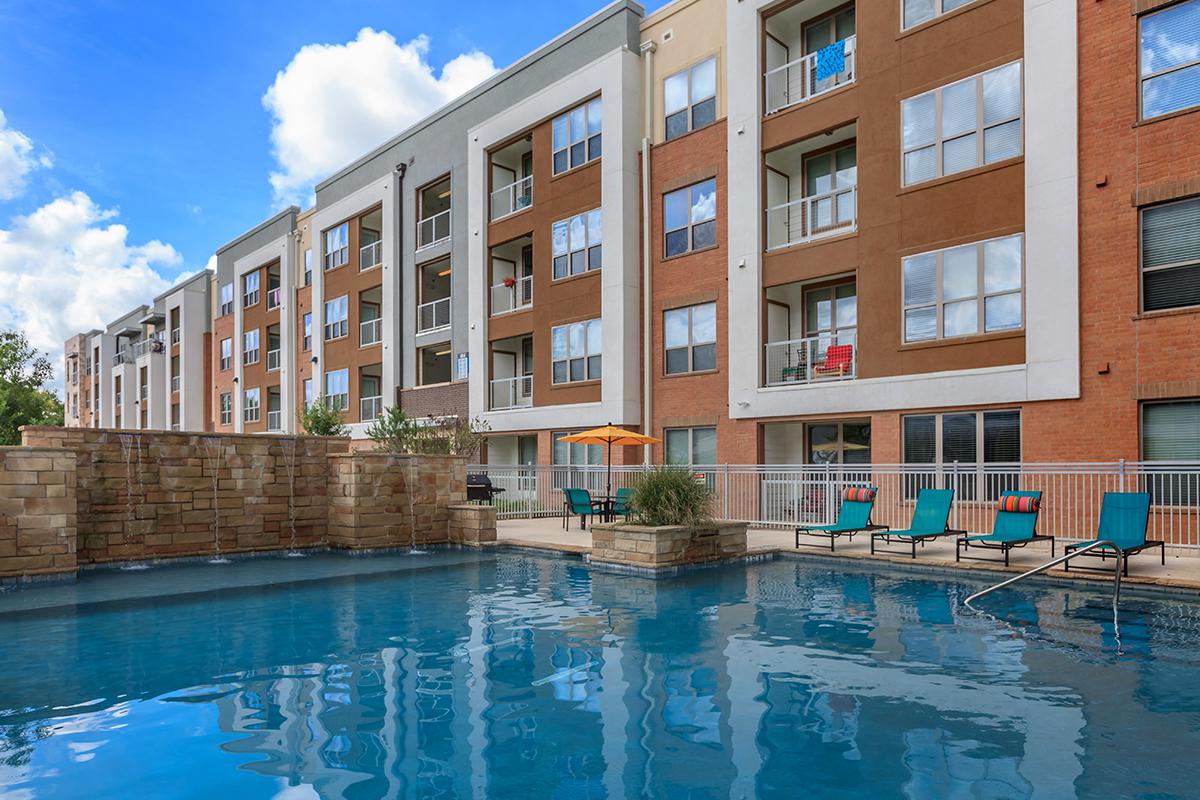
(1124, 517)
(1015, 526)
(578, 501)
(621, 502)
(930, 521)
(853, 517)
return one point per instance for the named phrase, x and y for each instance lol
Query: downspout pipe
(398, 192)
(647, 50)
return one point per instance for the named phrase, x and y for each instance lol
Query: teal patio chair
(1124, 517)
(929, 521)
(621, 502)
(853, 517)
(1015, 526)
(578, 501)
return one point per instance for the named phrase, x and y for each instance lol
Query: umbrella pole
(608, 481)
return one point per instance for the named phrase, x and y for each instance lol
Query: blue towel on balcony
(831, 60)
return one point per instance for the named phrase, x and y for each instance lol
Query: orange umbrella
(609, 435)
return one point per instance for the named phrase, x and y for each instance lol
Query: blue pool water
(456, 675)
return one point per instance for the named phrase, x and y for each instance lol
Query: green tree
(24, 398)
(396, 432)
(319, 419)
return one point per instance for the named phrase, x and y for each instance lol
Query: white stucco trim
(275, 249)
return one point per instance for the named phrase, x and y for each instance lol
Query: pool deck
(1181, 572)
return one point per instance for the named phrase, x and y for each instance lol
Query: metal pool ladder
(1055, 562)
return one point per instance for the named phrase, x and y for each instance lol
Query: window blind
(1171, 255)
(1171, 431)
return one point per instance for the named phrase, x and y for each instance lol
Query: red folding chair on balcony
(839, 361)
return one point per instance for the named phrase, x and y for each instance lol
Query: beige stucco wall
(698, 31)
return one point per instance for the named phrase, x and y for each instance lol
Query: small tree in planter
(319, 419)
(396, 432)
(670, 496)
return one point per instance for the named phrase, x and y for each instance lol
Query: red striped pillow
(1019, 504)
(859, 495)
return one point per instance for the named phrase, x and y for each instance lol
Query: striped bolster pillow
(1021, 505)
(859, 495)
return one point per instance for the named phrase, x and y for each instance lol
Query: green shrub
(319, 419)
(396, 432)
(671, 496)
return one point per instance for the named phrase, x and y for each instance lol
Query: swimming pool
(456, 675)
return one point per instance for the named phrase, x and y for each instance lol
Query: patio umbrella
(609, 435)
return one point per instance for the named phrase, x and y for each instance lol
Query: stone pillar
(471, 525)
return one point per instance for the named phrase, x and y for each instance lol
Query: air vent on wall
(668, 36)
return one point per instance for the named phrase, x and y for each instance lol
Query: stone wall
(473, 526)
(37, 511)
(667, 546)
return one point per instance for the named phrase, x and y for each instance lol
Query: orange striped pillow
(1019, 504)
(859, 495)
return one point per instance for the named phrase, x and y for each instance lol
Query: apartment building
(78, 384)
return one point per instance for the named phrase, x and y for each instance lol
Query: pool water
(506, 675)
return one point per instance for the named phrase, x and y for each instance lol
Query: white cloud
(333, 103)
(17, 160)
(68, 267)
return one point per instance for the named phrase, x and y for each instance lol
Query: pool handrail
(1055, 562)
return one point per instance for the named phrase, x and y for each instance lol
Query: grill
(480, 488)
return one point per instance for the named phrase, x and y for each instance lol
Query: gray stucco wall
(279, 225)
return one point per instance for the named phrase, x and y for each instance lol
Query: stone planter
(667, 546)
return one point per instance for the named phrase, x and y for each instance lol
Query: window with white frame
(690, 218)
(576, 244)
(226, 408)
(687, 446)
(336, 317)
(250, 347)
(308, 266)
(957, 444)
(308, 392)
(337, 246)
(690, 338)
(690, 98)
(250, 289)
(226, 299)
(1171, 433)
(251, 405)
(963, 125)
(964, 291)
(1169, 56)
(226, 354)
(307, 332)
(576, 136)
(337, 389)
(575, 352)
(917, 11)
(1171, 255)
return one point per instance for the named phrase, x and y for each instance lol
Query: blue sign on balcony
(831, 60)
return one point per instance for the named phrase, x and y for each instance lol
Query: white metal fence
(810, 218)
(788, 495)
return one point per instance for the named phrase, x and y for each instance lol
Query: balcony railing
(123, 356)
(143, 392)
(176, 383)
(514, 297)
(510, 199)
(145, 346)
(370, 255)
(274, 300)
(811, 218)
(512, 393)
(369, 408)
(433, 315)
(175, 335)
(827, 357)
(370, 332)
(274, 421)
(432, 230)
(796, 82)
(272, 360)
(174, 426)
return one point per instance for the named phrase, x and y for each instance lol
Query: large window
(690, 446)
(839, 443)
(1171, 432)
(226, 299)
(690, 338)
(1169, 41)
(690, 98)
(226, 408)
(308, 266)
(962, 291)
(918, 11)
(958, 444)
(337, 389)
(690, 218)
(250, 347)
(307, 332)
(574, 454)
(251, 405)
(576, 136)
(250, 290)
(575, 352)
(308, 392)
(226, 354)
(577, 244)
(337, 246)
(336, 317)
(1171, 255)
(964, 125)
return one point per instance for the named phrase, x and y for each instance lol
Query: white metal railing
(788, 495)
(274, 421)
(512, 393)
(796, 82)
(811, 218)
(145, 346)
(123, 355)
(512, 198)
(175, 383)
(370, 255)
(432, 230)
(370, 331)
(827, 357)
(175, 335)
(274, 298)
(143, 392)
(369, 408)
(514, 297)
(273, 360)
(433, 315)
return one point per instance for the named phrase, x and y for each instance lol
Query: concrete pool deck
(1181, 572)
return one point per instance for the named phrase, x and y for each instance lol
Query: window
(308, 392)
(337, 389)
(250, 347)
(1170, 59)
(962, 441)
(839, 443)
(251, 405)
(690, 338)
(688, 446)
(226, 354)
(690, 218)
(575, 352)
(1171, 432)
(307, 332)
(961, 291)
(337, 246)
(336, 311)
(575, 454)
(918, 11)
(433, 213)
(1171, 255)
(308, 266)
(690, 98)
(227, 299)
(250, 289)
(961, 126)
(226, 408)
(576, 243)
(576, 136)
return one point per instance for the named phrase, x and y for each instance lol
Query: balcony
(433, 230)
(809, 52)
(175, 383)
(509, 393)
(512, 294)
(123, 356)
(370, 408)
(797, 81)
(370, 256)
(370, 332)
(274, 421)
(815, 359)
(273, 357)
(175, 334)
(145, 346)
(811, 218)
(143, 392)
(812, 189)
(512, 198)
(274, 300)
(433, 315)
